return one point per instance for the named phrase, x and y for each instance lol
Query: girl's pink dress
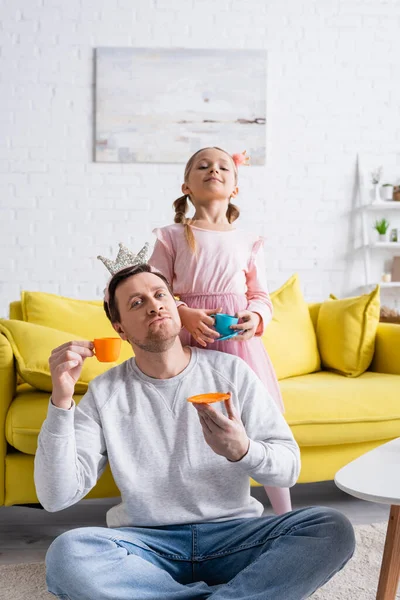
(228, 272)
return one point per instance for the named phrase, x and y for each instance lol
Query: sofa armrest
(387, 349)
(7, 393)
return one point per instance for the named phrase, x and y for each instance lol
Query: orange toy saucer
(209, 398)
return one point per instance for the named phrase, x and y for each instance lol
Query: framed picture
(162, 105)
(396, 268)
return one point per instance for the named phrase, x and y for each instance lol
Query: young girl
(214, 267)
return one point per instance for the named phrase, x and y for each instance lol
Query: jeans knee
(339, 529)
(62, 557)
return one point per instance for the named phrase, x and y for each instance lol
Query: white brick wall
(333, 91)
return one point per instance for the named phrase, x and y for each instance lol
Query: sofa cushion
(16, 310)
(85, 318)
(32, 345)
(313, 308)
(346, 331)
(25, 418)
(387, 349)
(325, 408)
(290, 337)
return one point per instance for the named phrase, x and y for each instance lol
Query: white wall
(333, 91)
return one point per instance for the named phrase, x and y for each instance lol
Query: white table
(375, 476)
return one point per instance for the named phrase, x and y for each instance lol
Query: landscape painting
(161, 106)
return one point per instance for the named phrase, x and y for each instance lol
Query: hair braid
(232, 213)
(181, 207)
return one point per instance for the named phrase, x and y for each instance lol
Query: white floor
(26, 533)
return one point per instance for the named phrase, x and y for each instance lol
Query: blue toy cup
(223, 322)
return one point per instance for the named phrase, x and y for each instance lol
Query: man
(187, 526)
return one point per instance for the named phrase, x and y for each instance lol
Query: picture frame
(162, 105)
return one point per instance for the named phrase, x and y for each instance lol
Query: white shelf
(391, 284)
(386, 245)
(388, 205)
(382, 284)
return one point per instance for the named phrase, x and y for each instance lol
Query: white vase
(382, 237)
(377, 197)
(387, 192)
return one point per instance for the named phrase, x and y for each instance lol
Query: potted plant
(387, 191)
(381, 227)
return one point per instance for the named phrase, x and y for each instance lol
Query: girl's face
(212, 177)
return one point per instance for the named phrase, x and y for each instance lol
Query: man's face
(149, 317)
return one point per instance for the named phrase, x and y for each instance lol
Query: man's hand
(66, 364)
(249, 324)
(198, 322)
(225, 435)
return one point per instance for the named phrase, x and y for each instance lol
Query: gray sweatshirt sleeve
(71, 454)
(273, 457)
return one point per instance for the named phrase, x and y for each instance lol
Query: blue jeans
(270, 558)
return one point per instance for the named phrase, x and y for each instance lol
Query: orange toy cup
(209, 398)
(107, 349)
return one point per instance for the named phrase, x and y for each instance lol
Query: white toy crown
(125, 258)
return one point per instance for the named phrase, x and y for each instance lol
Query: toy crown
(125, 258)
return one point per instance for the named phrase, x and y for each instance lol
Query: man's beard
(158, 341)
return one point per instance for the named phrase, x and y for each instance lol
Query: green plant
(387, 185)
(381, 226)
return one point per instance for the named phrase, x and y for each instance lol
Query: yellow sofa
(334, 418)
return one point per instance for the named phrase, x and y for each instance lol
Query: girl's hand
(249, 324)
(198, 322)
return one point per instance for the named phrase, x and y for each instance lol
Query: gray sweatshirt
(152, 438)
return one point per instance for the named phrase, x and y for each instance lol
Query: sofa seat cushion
(322, 409)
(25, 417)
(325, 408)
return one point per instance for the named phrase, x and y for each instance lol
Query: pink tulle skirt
(252, 351)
